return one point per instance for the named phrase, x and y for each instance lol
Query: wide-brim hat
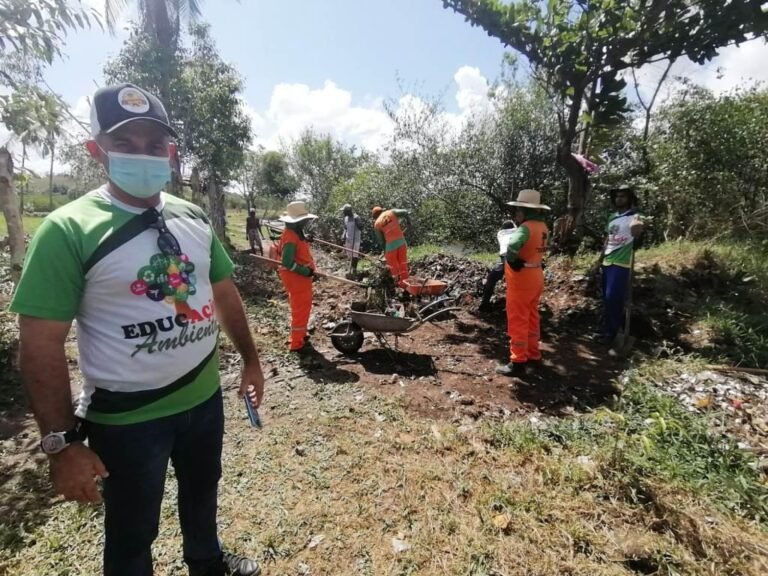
(296, 212)
(529, 199)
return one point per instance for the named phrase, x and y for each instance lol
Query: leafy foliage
(578, 48)
(37, 27)
(320, 163)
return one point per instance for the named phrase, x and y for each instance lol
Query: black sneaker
(240, 565)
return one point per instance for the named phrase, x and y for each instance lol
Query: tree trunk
(24, 182)
(578, 187)
(217, 210)
(50, 179)
(9, 204)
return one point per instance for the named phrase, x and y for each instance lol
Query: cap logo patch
(133, 101)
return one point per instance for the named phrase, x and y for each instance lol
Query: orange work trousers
(397, 261)
(299, 290)
(524, 289)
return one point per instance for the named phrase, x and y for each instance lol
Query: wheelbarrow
(348, 335)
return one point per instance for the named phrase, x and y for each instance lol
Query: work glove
(517, 265)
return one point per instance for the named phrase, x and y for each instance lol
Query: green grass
(30, 223)
(647, 437)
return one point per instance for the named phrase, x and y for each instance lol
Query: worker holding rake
(525, 282)
(297, 269)
(389, 234)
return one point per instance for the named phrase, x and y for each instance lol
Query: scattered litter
(315, 541)
(400, 546)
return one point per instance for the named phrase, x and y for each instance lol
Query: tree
(216, 128)
(267, 174)
(9, 205)
(160, 22)
(204, 107)
(578, 48)
(320, 163)
(31, 35)
(87, 173)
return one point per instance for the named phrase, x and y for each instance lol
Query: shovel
(624, 341)
(317, 273)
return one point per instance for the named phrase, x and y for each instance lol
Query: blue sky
(361, 45)
(330, 64)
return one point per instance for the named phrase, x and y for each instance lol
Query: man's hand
(252, 383)
(74, 472)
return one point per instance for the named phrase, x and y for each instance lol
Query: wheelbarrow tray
(380, 322)
(419, 287)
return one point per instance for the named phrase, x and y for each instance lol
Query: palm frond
(112, 11)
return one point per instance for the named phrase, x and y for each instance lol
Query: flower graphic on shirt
(166, 278)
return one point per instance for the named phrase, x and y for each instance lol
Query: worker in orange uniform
(389, 234)
(525, 282)
(297, 269)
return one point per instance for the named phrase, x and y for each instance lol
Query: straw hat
(296, 212)
(529, 199)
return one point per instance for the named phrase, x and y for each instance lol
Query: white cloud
(331, 109)
(736, 66)
(296, 107)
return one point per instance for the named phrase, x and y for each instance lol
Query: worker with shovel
(525, 282)
(353, 231)
(623, 228)
(389, 234)
(297, 269)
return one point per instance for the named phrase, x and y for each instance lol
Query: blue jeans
(615, 286)
(136, 457)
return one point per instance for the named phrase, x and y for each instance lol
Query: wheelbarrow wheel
(347, 337)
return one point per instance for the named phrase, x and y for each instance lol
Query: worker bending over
(389, 233)
(497, 272)
(525, 282)
(297, 269)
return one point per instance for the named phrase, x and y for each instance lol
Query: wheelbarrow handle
(317, 272)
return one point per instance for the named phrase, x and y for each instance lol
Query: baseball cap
(114, 106)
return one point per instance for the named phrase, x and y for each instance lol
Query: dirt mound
(464, 275)
(254, 279)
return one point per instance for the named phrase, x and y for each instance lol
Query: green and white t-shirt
(147, 334)
(618, 251)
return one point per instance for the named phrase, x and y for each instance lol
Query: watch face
(53, 443)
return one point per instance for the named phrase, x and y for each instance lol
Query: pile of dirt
(255, 279)
(464, 275)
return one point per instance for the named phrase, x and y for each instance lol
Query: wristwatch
(55, 442)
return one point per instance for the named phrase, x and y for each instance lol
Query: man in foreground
(149, 283)
(389, 234)
(525, 282)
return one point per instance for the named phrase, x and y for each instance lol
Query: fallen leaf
(501, 521)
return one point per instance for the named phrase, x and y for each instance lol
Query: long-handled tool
(355, 252)
(317, 273)
(624, 340)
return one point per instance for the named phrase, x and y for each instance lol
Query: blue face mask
(139, 175)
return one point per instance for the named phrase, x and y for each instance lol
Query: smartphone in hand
(253, 413)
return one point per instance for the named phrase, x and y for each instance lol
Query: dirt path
(446, 369)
